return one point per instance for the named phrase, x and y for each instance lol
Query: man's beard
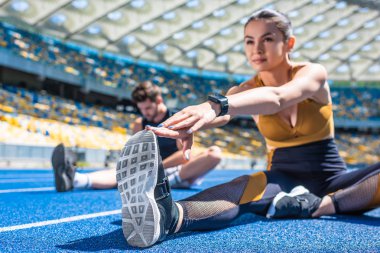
(154, 115)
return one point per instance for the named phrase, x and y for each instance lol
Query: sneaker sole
(136, 175)
(58, 162)
(298, 190)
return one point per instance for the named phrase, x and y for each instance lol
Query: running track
(34, 218)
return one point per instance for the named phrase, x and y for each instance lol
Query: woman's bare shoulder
(307, 65)
(246, 85)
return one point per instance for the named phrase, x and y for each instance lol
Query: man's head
(147, 97)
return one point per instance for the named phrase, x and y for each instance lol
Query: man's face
(148, 109)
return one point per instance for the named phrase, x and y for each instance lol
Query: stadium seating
(356, 103)
(358, 148)
(109, 71)
(183, 89)
(36, 118)
(43, 119)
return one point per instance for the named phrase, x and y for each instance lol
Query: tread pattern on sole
(136, 174)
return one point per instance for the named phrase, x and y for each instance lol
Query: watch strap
(222, 101)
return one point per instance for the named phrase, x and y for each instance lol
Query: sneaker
(148, 211)
(299, 203)
(64, 168)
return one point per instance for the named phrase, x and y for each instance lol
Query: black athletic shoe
(299, 203)
(148, 211)
(64, 168)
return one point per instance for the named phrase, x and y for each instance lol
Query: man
(182, 172)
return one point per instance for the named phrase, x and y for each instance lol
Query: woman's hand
(193, 117)
(184, 123)
(185, 138)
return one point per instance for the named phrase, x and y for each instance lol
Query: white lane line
(63, 220)
(25, 180)
(29, 190)
(16, 175)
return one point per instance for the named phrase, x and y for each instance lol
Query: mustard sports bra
(314, 123)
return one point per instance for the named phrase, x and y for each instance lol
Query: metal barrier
(26, 156)
(20, 156)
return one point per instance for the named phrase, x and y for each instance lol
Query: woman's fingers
(168, 133)
(187, 123)
(186, 139)
(193, 117)
(176, 118)
(186, 148)
(164, 132)
(198, 125)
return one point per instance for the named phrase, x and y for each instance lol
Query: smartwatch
(222, 101)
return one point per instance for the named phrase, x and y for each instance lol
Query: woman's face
(264, 44)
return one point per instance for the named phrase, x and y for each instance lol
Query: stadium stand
(342, 36)
(179, 87)
(356, 103)
(67, 69)
(33, 118)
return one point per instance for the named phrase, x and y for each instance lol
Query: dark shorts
(317, 166)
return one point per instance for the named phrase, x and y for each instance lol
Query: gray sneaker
(148, 211)
(63, 163)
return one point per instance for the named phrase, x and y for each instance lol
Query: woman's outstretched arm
(307, 82)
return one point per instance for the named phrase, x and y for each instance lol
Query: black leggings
(316, 166)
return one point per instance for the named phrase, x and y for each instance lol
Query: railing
(26, 156)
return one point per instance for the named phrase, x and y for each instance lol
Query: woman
(291, 105)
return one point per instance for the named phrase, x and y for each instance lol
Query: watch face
(219, 96)
(213, 98)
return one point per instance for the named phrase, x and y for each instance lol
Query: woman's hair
(146, 90)
(281, 21)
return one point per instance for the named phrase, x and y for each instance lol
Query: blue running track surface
(35, 218)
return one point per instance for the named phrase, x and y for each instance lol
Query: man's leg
(98, 180)
(183, 174)
(67, 178)
(103, 179)
(200, 164)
